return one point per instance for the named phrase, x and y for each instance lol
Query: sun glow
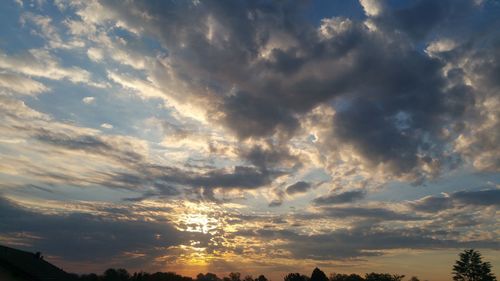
(199, 223)
(201, 217)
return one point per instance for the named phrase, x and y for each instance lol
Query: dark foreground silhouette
(17, 265)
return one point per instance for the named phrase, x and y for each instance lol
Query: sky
(253, 136)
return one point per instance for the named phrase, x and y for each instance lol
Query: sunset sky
(254, 136)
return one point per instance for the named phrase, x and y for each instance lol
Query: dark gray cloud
(430, 204)
(419, 19)
(377, 214)
(298, 187)
(165, 180)
(169, 181)
(275, 203)
(489, 197)
(121, 151)
(340, 198)
(395, 99)
(89, 237)
(363, 241)
(270, 156)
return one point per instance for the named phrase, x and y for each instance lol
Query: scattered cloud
(340, 198)
(88, 100)
(298, 187)
(106, 126)
(40, 63)
(488, 197)
(21, 85)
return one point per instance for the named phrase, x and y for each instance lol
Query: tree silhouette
(89, 277)
(318, 275)
(235, 276)
(295, 277)
(345, 277)
(116, 275)
(207, 277)
(261, 278)
(383, 277)
(470, 267)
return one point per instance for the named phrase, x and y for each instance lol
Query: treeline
(317, 275)
(469, 267)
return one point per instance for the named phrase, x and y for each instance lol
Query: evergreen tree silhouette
(318, 275)
(470, 267)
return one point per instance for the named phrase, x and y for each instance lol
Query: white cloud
(40, 63)
(55, 157)
(77, 27)
(144, 89)
(48, 31)
(88, 100)
(440, 45)
(95, 54)
(106, 126)
(372, 7)
(20, 84)
(334, 26)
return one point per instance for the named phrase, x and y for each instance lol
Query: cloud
(265, 81)
(95, 54)
(344, 197)
(298, 187)
(489, 197)
(21, 85)
(478, 142)
(267, 155)
(44, 27)
(431, 204)
(249, 97)
(84, 237)
(259, 78)
(361, 241)
(372, 8)
(40, 63)
(113, 161)
(106, 126)
(232, 103)
(376, 213)
(88, 100)
(159, 176)
(114, 147)
(420, 18)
